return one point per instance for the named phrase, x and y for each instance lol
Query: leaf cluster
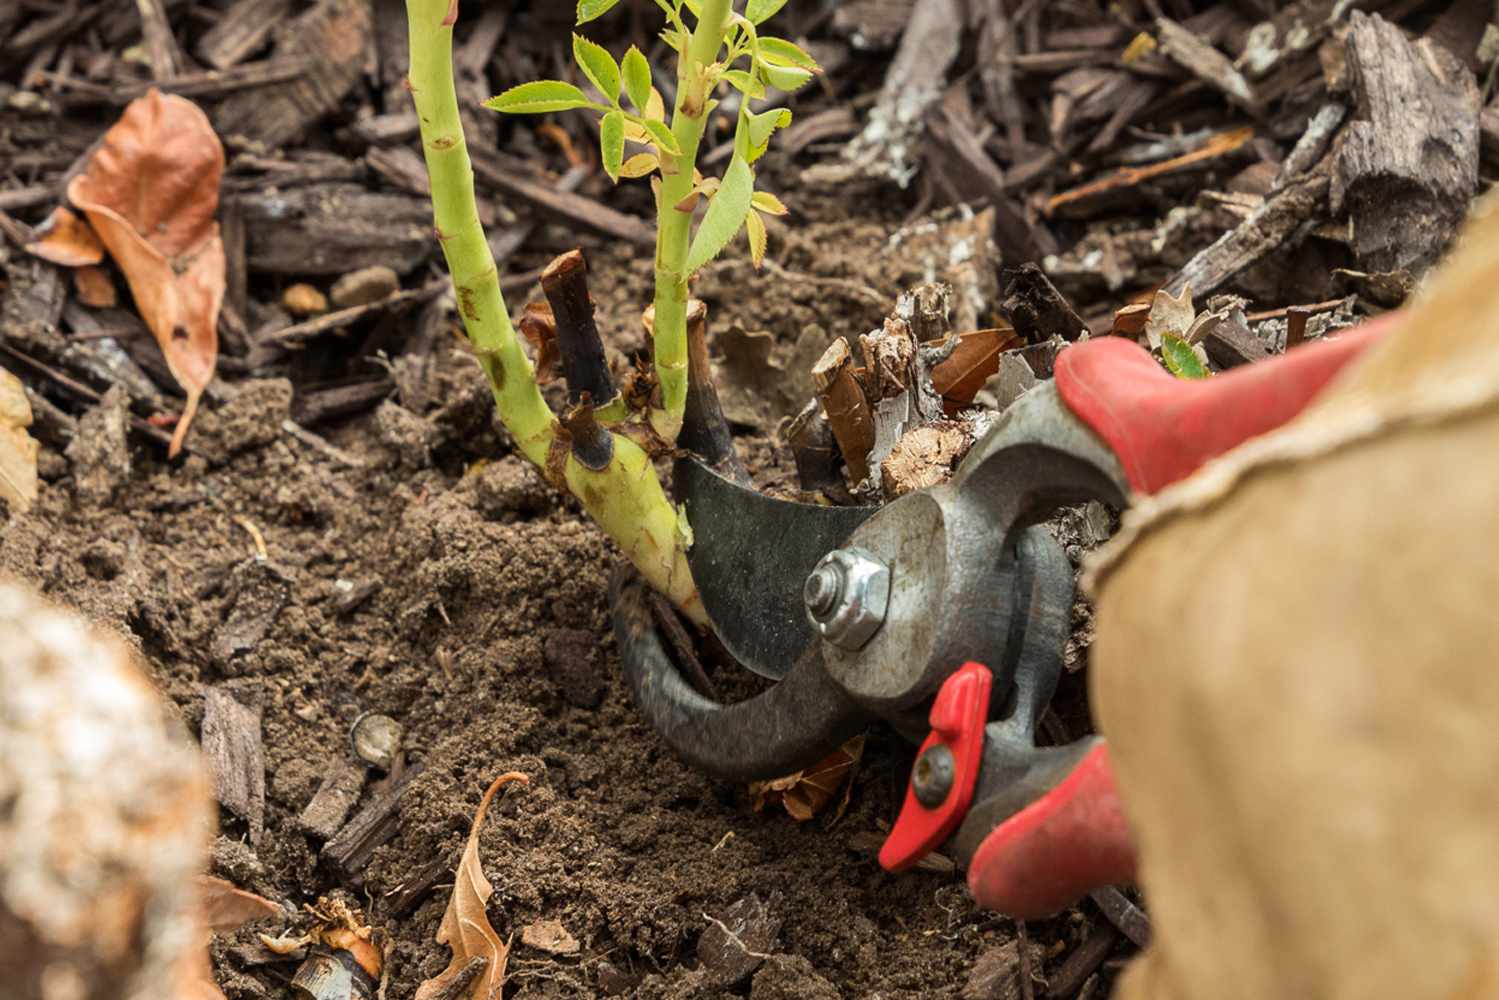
(632, 113)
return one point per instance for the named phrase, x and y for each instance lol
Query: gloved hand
(1295, 670)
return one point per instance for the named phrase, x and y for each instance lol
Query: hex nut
(863, 598)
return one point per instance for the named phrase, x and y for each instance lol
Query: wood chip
(549, 936)
(329, 807)
(236, 759)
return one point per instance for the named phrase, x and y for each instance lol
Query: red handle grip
(1163, 428)
(1071, 840)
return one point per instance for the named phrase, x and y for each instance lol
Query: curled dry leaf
(539, 328)
(151, 192)
(18, 479)
(959, 378)
(805, 793)
(465, 926)
(1169, 314)
(223, 908)
(67, 240)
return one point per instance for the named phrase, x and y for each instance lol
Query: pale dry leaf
(549, 936)
(67, 240)
(18, 450)
(465, 926)
(1169, 314)
(226, 907)
(151, 192)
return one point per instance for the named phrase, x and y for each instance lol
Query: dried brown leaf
(67, 240)
(805, 793)
(18, 479)
(1169, 314)
(94, 287)
(539, 327)
(959, 378)
(151, 193)
(226, 907)
(465, 926)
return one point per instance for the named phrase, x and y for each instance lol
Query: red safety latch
(946, 770)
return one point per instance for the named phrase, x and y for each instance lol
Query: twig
(1079, 965)
(1284, 311)
(681, 644)
(260, 552)
(565, 283)
(298, 332)
(1123, 914)
(1027, 984)
(320, 444)
(854, 288)
(459, 985)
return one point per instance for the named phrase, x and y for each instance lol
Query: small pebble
(377, 739)
(304, 300)
(366, 285)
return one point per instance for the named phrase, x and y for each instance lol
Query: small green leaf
(754, 228)
(764, 201)
(725, 215)
(637, 74)
(760, 11)
(665, 141)
(695, 6)
(1180, 359)
(787, 78)
(743, 82)
(590, 9)
(538, 97)
(599, 66)
(780, 52)
(763, 124)
(612, 143)
(674, 39)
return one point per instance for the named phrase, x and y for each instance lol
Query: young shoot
(600, 450)
(636, 140)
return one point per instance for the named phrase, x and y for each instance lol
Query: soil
(478, 566)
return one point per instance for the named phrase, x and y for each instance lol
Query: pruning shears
(946, 611)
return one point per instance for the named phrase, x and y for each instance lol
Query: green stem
(674, 227)
(625, 497)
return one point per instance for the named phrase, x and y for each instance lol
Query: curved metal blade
(750, 556)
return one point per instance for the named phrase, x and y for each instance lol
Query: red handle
(1163, 428)
(1071, 840)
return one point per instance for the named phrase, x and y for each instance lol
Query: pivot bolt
(847, 596)
(932, 777)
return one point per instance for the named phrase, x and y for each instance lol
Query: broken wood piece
(813, 448)
(329, 807)
(1232, 343)
(332, 228)
(334, 37)
(846, 407)
(351, 848)
(161, 47)
(565, 283)
(240, 30)
(1296, 317)
(236, 759)
(300, 333)
(1036, 309)
(924, 457)
(1408, 165)
(1198, 57)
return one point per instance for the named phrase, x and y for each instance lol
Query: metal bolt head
(847, 597)
(932, 777)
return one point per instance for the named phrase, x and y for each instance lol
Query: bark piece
(377, 823)
(240, 31)
(737, 939)
(1409, 163)
(846, 407)
(996, 974)
(161, 48)
(236, 759)
(1231, 343)
(106, 821)
(329, 807)
(814, 448)
(331, 229)
(333, 37)
(1036, 309)
(1199, 58)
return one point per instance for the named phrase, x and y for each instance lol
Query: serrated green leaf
(599, 66)
(760, 11)
(726, 213)
(745, 83)
(787, 78)
(764, 201)
(1180, 359)
(763, 124)
(590, 9)
(538, 97)
(780, 52)
(665, 141)
(612, 143)
(637, 74)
